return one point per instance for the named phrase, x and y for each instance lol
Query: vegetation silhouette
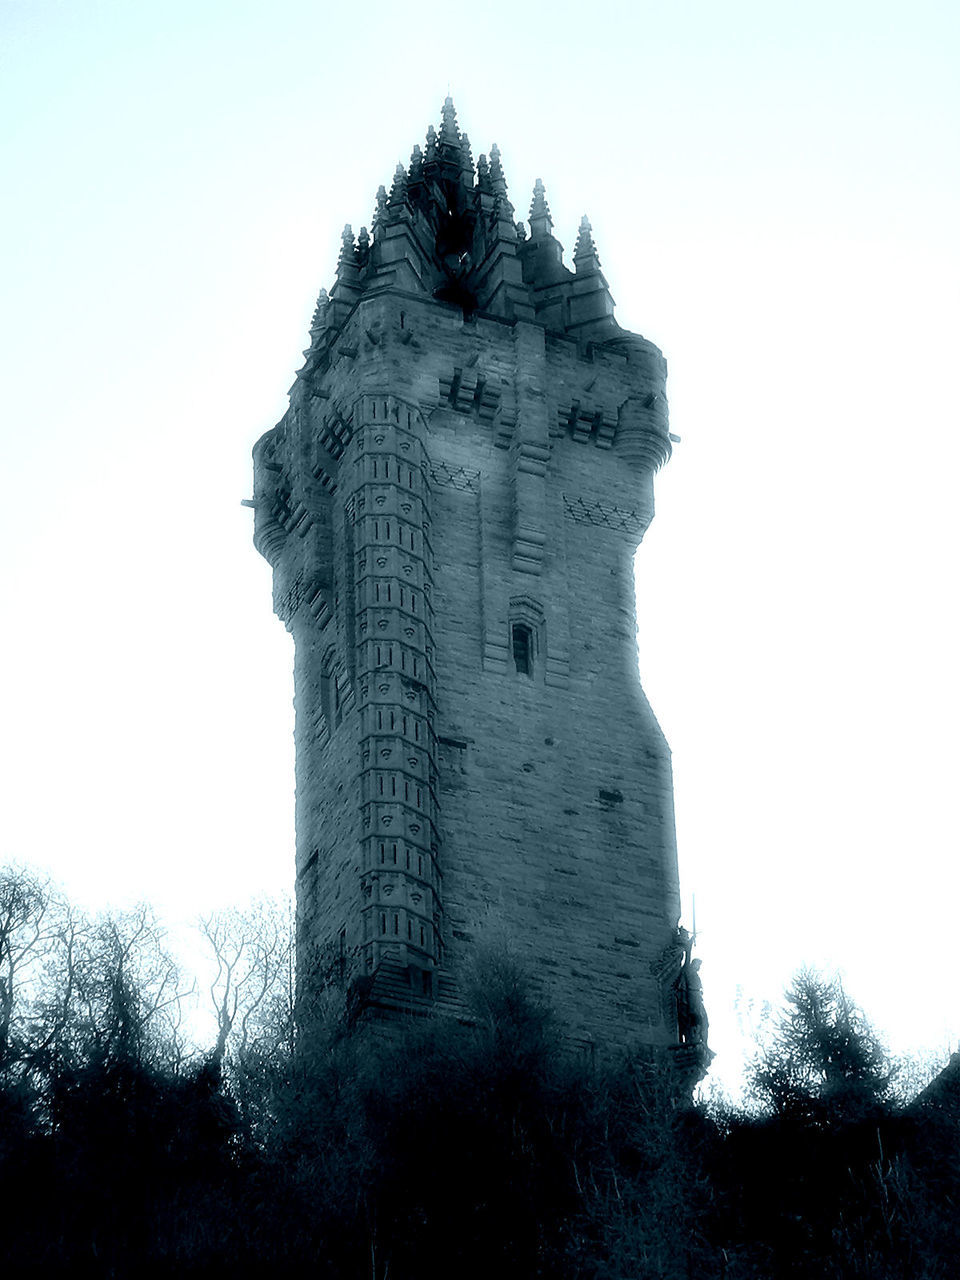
(431, 1148)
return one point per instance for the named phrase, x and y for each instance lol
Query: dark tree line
(437, 1149)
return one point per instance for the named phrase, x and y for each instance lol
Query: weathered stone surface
(451, 506)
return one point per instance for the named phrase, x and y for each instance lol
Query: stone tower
(451, 506)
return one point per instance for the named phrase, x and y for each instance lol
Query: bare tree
(252, 991)
(24, 910)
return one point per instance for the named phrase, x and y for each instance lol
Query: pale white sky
(774, 194)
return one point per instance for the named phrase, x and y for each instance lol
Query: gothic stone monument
(451, 506)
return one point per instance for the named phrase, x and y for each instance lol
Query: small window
(523, 649)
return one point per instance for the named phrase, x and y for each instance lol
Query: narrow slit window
(523, 649)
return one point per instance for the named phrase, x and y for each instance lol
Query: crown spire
(348, 252)
(498, 185)
(585, 256)
(541, 223)
(466, 162)
(416, 164)
(431, 152)
(319, 321)
(497, 180)
(449, 133)
(398, 192)
(380, 212)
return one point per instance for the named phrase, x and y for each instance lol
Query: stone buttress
(451, 506)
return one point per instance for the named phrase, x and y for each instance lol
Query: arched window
(523, 648)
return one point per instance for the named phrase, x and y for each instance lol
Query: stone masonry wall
(545, 811)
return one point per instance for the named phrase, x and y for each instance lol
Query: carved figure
(691, 1012)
